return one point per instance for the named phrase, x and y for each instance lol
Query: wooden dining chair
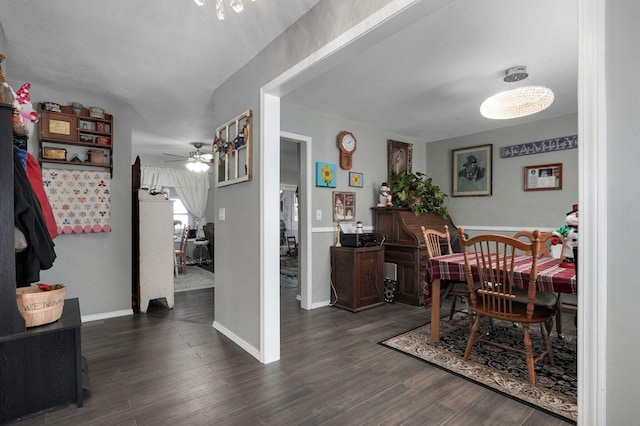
(545, 241)
(564, 302)
(181, 253)
(434, 241)
(498, 297)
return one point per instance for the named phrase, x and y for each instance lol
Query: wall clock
(347, 145)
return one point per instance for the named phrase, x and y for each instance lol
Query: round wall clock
(347, 145)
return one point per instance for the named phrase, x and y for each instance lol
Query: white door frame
(592, 131)
(304, 212)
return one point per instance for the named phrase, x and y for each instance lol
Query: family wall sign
(549, 145)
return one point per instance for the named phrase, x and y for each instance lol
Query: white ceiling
(166, 57)
(428, 81)
(163, 57)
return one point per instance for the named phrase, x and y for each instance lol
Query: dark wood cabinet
(43, 367)
(357, 277)
(40, 367)
(399, 231)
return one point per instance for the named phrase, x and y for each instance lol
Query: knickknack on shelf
(232, 150)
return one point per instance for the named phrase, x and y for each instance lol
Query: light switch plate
(222, 213)
(318, 214)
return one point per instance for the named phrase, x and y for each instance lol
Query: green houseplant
(417, 192)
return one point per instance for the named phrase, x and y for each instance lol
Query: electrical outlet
(318, 214)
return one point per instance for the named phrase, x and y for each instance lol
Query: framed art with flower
(355, 179)
(326, 174)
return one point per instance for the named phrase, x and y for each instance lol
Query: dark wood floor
(170, 367)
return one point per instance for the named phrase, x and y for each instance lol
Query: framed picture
(326, 174)
(355, 179)
(399, 157)
(472, 171)
(232, 150)
(544, 177)
(344, 206)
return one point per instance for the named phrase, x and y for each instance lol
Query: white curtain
(191, 187)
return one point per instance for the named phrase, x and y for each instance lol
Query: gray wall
(623, 150)
(370, 158)
(510, 205)
(237, 302)
(96, 268)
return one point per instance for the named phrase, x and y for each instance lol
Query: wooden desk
(551, 277)
(42, 368)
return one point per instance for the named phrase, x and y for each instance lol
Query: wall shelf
(76, 135)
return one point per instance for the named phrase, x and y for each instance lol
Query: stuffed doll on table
(568, 232)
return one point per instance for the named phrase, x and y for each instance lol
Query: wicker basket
(39, 307)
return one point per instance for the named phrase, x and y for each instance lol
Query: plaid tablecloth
(551, 277)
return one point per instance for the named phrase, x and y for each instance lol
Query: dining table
(451, 267)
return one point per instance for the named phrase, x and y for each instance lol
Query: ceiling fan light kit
(196, 161)
(197, 166)
(518, 102)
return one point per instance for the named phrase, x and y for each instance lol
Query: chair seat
(518, 313)
(543, 298)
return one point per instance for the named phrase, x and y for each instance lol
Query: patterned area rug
(194, 279)
(501, 370)
(289, 266)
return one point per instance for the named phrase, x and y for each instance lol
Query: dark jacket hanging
(39, 255)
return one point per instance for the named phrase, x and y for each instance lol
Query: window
(180, 217)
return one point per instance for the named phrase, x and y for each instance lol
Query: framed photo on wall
(544, 177)
(355, 179)
(472, 171)
(344, 206)
(399, 157)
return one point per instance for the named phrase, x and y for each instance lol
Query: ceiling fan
(196, 161)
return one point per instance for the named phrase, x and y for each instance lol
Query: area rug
(501, 370)
(289, 266)
(194, 279)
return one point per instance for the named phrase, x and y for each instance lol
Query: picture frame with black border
(472, 171)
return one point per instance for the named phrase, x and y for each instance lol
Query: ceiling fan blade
(174, 155)
(206, 157)
(173, 161)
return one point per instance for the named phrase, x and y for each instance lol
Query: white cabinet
(156, 248)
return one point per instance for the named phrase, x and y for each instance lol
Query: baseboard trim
(238, 341)
(106, 315)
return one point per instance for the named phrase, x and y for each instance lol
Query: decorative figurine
(384, 198)
(570, 234)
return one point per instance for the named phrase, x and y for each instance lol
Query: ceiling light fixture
(197, 166)
(518, 102)
(236, 5)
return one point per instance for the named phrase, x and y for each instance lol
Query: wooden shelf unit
(74, 132)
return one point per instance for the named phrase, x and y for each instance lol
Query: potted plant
(418, 193)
